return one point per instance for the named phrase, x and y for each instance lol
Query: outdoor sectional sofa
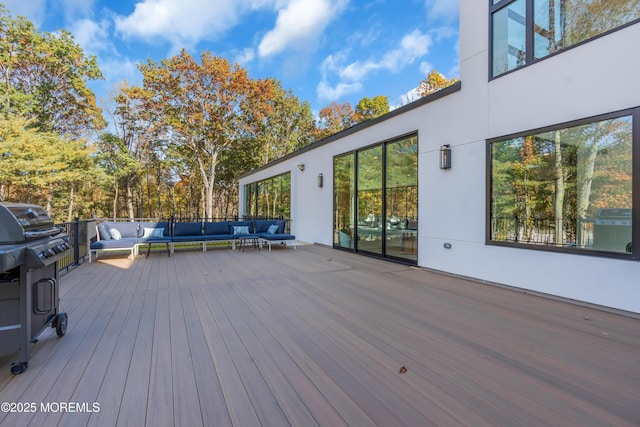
(118, 236)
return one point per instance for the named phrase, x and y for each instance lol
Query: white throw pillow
(153, 232)
(115, 234)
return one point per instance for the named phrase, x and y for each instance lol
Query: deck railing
(83, 231)
(80, 232)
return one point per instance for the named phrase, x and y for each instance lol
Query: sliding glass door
(376, 200)
(370, 225)
(344, 168)
(402, 199)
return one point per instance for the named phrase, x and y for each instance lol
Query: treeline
(175, 145)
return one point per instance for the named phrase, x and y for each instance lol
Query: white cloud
(425, 68)
(93, 36)
(443, 9)
(118, 70)
(412, 47)
(33, 10)
(183, 23)
(246, 56)
(77, 8)
(332, 93)
(301, 22)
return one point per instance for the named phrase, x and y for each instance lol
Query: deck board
(317, 336)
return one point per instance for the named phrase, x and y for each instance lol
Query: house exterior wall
(595, 78)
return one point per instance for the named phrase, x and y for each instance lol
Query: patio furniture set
(119, 236)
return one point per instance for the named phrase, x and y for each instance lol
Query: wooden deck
(318, 337)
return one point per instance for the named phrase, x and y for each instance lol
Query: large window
(523, 31)
(376, 200)
(269, 198)
(568, 187)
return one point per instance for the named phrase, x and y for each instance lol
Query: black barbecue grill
(30, 247)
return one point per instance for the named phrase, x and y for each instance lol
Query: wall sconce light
(445, 157)
(301, 167)
(320, 180)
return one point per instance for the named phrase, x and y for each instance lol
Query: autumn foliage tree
(43, 78)
(37, 165)
(370, 108)
(334, 118)
(47, 114)
(204, 108)
(433, 83)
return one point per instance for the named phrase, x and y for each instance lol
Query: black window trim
(354, 153)
(635, 197)
(529, 37)
(255, 191)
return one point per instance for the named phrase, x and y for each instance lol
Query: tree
(43, 78)
(289, 126)
(369, 108)
(433, 83)
(204, 109)
(334, 118)
(34, 164)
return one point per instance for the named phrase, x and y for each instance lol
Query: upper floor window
(523, 31)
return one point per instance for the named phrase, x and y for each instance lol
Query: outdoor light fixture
(301, 167)
(445, 157)
(320, 179)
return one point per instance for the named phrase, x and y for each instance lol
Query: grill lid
(20, 222)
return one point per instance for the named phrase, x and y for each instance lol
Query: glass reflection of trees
(269, 198)
(402, 198)
(519, 39)
(385, 215)
(559, 24)
(343, 193)
(369, 209)
(554, 188)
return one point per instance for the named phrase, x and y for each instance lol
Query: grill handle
(39, 234)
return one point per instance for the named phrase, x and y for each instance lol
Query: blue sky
(324, 50)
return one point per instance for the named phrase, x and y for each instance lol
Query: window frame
(635, 179)
(530, 37)
(355, 152)
(255, 187)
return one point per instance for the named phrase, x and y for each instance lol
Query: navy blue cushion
(164, 225)
(216, 228)
(103, 231)
(187, 229)
(126, 229)
(125, 243)
(262, 225)
(277, 237)
(281, 223)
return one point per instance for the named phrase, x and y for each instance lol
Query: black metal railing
(543, 231)
(80, 232)
(83, 231)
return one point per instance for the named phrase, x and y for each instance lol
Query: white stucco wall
(596, 78)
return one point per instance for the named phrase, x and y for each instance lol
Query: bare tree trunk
(129, 196)
(50, 197)
(559, 202)
(587, 154)
(115, 199)
(70, 212)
